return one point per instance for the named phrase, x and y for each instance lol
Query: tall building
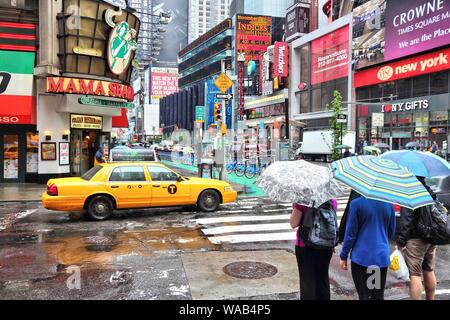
(273, 8)
(204, 15)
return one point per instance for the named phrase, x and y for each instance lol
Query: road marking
(241, 218)
(247, 228)
(255, 237)
(438, 292)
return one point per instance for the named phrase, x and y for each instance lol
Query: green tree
(338, 130)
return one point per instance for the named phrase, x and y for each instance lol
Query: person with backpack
(316, 239)
(420, 232)
(370, 225)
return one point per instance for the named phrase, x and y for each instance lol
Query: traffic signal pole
(223, 171)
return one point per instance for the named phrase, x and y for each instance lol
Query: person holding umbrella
(312, 190)
(370, 225)
(419, 255)
(371, 219)
(313, 264)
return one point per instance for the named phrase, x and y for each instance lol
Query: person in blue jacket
(370, 225)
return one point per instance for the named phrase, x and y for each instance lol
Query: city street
(162, 254)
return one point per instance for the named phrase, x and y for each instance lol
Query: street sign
(377, 119)
(341, 118)
(223, 82)
(224, 96)
(200, 114)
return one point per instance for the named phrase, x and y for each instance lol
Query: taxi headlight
(229, 189)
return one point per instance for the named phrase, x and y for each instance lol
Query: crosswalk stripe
(242, 218)
(248, 228)
(254, 237)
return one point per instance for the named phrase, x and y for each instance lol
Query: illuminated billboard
(253, 35)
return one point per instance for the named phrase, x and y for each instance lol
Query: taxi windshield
(91, 173)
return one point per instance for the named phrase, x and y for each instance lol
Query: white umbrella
(299, 182)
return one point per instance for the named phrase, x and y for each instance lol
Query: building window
(404, 88)
(439, 81)
(421, 86)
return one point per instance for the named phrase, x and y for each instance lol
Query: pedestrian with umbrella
(422, 164)
(313, 192)
(371, 218)
(419, 250)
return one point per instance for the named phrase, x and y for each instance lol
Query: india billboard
(330, 56)
(416, 25)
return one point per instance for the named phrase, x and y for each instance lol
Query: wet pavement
(156, 254)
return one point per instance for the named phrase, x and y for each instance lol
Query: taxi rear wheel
(99, 208)
(209, 201)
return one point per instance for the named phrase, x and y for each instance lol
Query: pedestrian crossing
(255, 220)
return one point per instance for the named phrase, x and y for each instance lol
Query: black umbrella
(382, 145)
(413, 144)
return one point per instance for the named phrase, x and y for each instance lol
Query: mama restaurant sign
(426, 63)
(89, 87)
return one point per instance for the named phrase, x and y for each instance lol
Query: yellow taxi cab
(127, 185)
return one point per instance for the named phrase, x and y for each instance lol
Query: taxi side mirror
(180, 178)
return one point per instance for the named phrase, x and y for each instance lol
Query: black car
(441, 187)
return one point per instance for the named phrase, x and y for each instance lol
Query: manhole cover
(250, 270)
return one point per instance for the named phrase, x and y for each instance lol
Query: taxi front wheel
(99, 208)
(209, 201)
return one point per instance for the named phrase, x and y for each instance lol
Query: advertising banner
(17, 102)
(281, 59)
(416, 25)
(253, 35)
(164, 81)
(368, 33)
(211, 99)
(298, 20)
(330, 56)
(176, 35)
(426, 63)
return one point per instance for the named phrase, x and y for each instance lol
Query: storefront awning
(120, 121)
(17, 109)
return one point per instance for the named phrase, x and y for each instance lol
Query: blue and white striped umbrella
(383, 180)
(423, 164)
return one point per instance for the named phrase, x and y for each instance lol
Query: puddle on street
(101, 249)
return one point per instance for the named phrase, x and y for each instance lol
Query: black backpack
(319, 227)
(433, 224)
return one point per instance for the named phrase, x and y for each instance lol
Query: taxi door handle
(114, 187)
(156, 186)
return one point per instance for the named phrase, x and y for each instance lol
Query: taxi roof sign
(223, 82)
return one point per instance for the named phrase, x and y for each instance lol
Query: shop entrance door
(12, 158)
(83, 146)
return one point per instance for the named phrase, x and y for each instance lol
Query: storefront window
(11, 156)
(32, 152)
(421, 86)
(316, 100)
(375, 93)
(304, 103)
(304, 65)
(404, 89)
(439, 81)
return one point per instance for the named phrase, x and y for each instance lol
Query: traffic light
(217, 112)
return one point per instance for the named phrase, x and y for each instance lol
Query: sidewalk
(12, 192)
